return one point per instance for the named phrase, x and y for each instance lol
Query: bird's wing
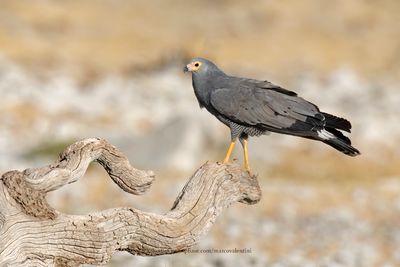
(248, 104)
(267, 85)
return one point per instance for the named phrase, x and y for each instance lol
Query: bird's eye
(196, 64)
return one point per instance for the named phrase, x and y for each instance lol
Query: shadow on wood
(32, 233)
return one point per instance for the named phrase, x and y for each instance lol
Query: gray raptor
(252, 108)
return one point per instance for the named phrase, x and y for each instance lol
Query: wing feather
(268, 86)
(255, 106)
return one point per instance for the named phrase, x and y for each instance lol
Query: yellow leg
(229, 152)
(246, 156)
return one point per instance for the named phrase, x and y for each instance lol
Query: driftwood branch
(32, 233)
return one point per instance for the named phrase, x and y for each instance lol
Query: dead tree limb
(32, 233)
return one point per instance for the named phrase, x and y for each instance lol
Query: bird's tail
(337, 122)
(337, 140)
(343, 147)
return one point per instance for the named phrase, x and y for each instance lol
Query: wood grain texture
(32, 233)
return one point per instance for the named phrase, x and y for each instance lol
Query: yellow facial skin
(194, 66)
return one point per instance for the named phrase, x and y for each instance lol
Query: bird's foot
(247, 165)
(247, 168)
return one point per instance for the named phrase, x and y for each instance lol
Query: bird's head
(200, 65)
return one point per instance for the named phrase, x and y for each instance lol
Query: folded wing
(252, 105)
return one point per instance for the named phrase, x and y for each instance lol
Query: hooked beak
(188, 68)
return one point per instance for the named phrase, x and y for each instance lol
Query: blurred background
(113, 69)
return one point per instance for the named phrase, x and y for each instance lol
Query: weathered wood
(32, 233)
